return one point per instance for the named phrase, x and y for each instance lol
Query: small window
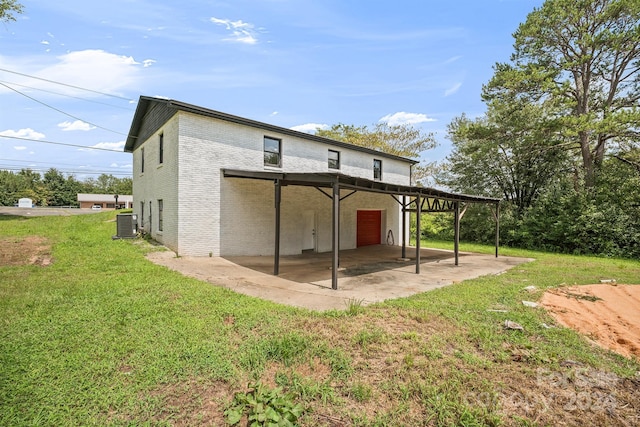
(334, 159)
(377, 170)
(161, 147)
(272, 152)
(142, 214)
(160, 208)
(150, 217)
(142, 160)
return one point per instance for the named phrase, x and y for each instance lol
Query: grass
(101, 336)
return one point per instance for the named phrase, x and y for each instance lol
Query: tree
(585, 55)
(8, 8)
(61, 191)
(399, 140)
(512, 152)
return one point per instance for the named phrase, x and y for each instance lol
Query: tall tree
(400, 140)
(585, 54)
(512, 152)
(8, 8)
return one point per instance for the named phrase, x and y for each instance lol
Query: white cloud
(453, 89)
(241, 32)
(22, 133)
(402, 118)
(275, 113)
(44, 42)
(93, 69)
(148, 63)
(77, 125)
(309, 127)
(452, 59)
(19, 147)
(110, 145)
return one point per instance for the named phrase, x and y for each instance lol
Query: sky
(71, 71)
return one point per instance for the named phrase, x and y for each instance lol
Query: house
(207, 183)
(107, 201)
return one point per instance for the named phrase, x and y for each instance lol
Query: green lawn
(101, 336)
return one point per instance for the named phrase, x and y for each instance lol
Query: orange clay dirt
(609, 314)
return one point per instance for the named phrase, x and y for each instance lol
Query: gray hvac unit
(127, 226)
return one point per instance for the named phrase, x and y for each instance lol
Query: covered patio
(337, 187)
(367, 275)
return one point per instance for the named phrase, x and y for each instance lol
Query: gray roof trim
(326, 179)
(145, 101)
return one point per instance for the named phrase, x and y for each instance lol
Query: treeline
(560, 141)
(54, 188)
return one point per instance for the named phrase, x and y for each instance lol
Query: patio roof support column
(418, 232)
(276, 255)
(404, 227)
(335, 237)
(456, 230)
(497, 215)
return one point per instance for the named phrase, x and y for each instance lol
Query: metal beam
(335, 239)
(276, 256)
(418, 232)
(350, 194)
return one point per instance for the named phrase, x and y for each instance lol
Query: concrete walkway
(367, 275)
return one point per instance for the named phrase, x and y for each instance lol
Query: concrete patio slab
(369, 274)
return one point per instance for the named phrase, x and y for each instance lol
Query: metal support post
(276, 256)
(335, 240)
(456, 231)
(418, 232)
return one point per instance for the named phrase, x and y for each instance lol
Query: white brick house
(207, 183)
(187, 194)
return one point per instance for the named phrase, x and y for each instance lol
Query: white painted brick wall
(159, 181)
(231, 216)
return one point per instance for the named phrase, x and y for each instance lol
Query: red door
(369, 224)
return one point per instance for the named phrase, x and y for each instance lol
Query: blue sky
(293, 63)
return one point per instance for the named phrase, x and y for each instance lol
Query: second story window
(161, 148)
(377, 170)
(272, 152)
(334, 159)
(142, 160)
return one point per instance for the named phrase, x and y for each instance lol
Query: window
(334, 159)
(160, 207)
(150, 217)
(161, 148)
(377, 170)
(142, 160)
(142, 214)
(272, 152)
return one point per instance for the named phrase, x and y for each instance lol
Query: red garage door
(369, 223)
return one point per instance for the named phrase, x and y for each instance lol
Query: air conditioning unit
(127, 225)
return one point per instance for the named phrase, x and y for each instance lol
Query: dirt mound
(607, 313)
(34, 250)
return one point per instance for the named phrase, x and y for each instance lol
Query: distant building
(105, 201)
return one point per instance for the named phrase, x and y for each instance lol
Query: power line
(66, 84)
(68, 171)
(43, 163)
(68, 96)
(60, 111)
(60, 143)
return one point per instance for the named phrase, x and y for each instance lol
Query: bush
(602, 221)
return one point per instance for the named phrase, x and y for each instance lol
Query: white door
(308, 230)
